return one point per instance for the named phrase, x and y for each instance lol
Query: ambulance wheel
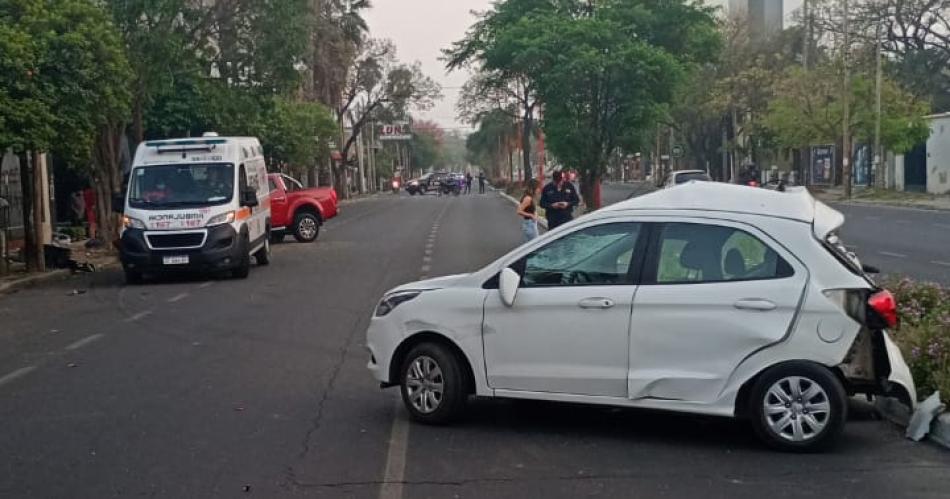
(244, 267)
(263, 255)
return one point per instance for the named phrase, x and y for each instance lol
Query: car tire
(798, 407)
(263, 255)
(432, 384)
(243, 268)
(306, 227)
(133, 277)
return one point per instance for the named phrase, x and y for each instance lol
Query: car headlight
(220, 219)
(132, 223)
(392, 300)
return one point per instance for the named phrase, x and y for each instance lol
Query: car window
(272, 184)
(599, 255)
(292, 184)
(695, 253)
(682, 178)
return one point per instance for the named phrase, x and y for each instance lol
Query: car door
(567, 331)
(278, 202)
(712, 294)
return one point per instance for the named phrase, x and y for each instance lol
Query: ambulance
(195, 204)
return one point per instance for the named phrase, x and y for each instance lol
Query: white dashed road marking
(140, 315)
(85, 341)
(894, 255)
(943, 226)
(178, 297)
(205, 285)
(16, 374)
(395, 471)
(938, 262)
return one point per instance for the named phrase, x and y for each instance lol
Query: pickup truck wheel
(306, 227)
(432, 384)
(798, 407)
(244, 266)
(263, 255)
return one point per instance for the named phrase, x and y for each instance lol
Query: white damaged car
(704, 298)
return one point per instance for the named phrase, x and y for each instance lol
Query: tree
(808, 110)
(295, 133)
(67, 86)
(606, 72)
(488, 146)
(377, 80)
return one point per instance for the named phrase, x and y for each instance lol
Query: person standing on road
(468, 182)
(558, 200)
(527, 211)
(481, 182)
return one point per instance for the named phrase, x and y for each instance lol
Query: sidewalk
(877, 197)
(18, 279)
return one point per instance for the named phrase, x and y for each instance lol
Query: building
(763, 17)
(926, 168)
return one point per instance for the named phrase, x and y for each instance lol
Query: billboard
(861, 158)
(822, 167)
(399, 130)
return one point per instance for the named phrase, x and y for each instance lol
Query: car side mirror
(508, 283)
(249, 197)
(118, 202)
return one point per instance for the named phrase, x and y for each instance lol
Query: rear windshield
(682, 178)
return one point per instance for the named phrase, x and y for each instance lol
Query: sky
(421, 28)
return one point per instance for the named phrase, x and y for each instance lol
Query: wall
(938, 155)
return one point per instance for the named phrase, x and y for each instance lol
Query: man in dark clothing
(468, 183)
(558, 200)
(481, 182)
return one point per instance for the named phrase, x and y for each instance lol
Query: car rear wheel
(798, 407)
(306, 227)
(432, 384)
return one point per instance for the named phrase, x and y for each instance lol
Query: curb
(541, 222)
(905, 206)
(33, 280)
(897, 413)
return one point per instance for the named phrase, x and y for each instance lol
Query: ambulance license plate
(175, 260)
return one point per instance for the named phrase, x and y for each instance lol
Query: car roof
(796, 203)
(678, 172)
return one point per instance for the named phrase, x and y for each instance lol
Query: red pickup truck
(297, 210)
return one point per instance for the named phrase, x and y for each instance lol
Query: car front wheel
(432, 384)
(798, 407)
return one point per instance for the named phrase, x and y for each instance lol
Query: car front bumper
(222, 250)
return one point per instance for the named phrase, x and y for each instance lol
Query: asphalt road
(899, 241)
(258, 388)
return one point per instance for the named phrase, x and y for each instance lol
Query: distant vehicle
(704, 298)
(196, 204)
(451, 184)
(683, 176)
(298, 210)
(427, 183)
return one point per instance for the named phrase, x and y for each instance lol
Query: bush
(924, 333)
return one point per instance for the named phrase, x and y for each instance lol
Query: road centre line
(16, 374)
(938, 262)
(943, 226)
(140, 315)
(895, 255)
(425, 269)
(395, 470)
(85, 341)
(205, 285)
(178, 297)
(426, 259)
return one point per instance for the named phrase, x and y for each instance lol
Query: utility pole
(880, 181)
(806, 34)
(846, 104)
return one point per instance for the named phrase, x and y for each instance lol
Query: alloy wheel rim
(424, 384)
(308, 228)
(796, 408)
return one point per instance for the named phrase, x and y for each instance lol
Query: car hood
(434, 283)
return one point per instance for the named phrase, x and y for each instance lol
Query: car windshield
(181, 185)
(682, 178)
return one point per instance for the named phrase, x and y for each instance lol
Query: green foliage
(924, 333)
(64, 75)
(807, 109)
(295, 133)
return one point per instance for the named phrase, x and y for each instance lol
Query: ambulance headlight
(132, 223)
(221, 219)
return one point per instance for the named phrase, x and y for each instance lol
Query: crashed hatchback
(703, 298)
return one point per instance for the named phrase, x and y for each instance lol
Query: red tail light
(753, 183)
(885, 305)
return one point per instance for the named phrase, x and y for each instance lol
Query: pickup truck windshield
(166, 186)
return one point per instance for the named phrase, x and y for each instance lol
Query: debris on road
(76, 292)
(72, 364)
(920, 422)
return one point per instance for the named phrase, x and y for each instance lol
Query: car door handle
(595, 303)
(755, 304)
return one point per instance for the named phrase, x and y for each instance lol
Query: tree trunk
(590, 189)
(526, 129)
(39, 261)
(26, 189)
(138, 125)
(108, 179)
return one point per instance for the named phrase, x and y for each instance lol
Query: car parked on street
(704, 298)
(682, 176)
(298, 210)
